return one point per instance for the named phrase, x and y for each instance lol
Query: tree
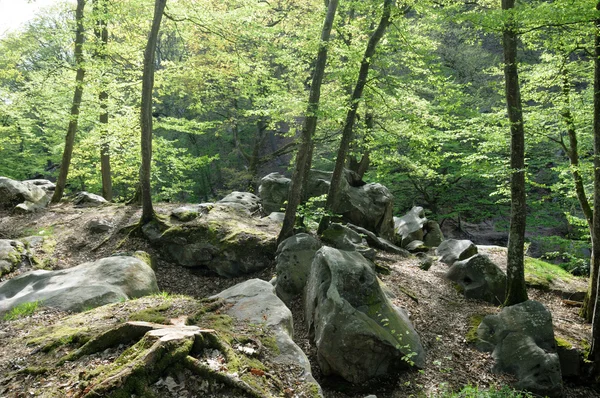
(146, 112)
(594, 354)
(333, 195)
(70, 137)
(303, 157)
(101, 32)
(516, 292)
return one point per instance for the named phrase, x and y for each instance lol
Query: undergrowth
(477, 392)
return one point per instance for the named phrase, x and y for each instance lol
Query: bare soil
(441, 315)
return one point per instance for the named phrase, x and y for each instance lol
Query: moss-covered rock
(12, 254)
(358, 332)
(226, 240)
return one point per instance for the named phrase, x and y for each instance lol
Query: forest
(485, 113)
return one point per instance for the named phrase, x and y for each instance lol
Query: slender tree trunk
(308, 128)
(595, 348)
(516, 291)
(146, 112)
(101, 33)
(70, 137)
(333, 195)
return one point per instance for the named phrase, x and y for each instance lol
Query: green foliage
(21, 311)
(470, 391)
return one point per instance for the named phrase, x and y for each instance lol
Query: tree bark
(595, 348)
(101, 33)
(333, 196)
(70, 137)
(146, 112)
(516, 291)
(308, 128)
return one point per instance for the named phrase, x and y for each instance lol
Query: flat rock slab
(82, 287)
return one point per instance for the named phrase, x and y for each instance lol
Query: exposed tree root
(158, 349)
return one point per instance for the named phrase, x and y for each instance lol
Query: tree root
(158, 349)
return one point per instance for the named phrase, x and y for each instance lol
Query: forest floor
(440, 314)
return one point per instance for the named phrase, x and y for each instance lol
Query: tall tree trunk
(101, 33)
(70, 137)
(516, 291)
(308, 128)
(333, 195)
(146, 112)
(595, 348)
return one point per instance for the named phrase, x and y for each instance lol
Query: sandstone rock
(377, 242)
(452, 250)
(46, 185)
(358, 333)
(12, 253)
(521, 339)
(343, 238)
(99, 225)
(13, 193)
(85, 286)
(417, 246)
(190, 212)
(433, 234)
(366, 205)
(480, 278)
(410, 226)
(86, 199)
(255, 301)
(294, 258)
(226, 240)
(245, 200)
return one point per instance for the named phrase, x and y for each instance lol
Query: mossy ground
(474, 322)
(541, 274)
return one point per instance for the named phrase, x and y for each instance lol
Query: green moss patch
(474, 322)
(540, 274)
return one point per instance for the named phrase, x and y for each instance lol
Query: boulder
(294, 258)
(521, 339)
(273, 191)
(190, 212)
(226, 240)
(409, 227)
(99, 225)
(425, 261)
(417, 246)
(480, 278)
(452, 250)
(343, 238)
(86, 199)
(377, 242)
(46, 185)
(13, 193)
(366, 205)
(85, 286)
(433, 234)
(244, 200)
(255, 302)
(12, 254)
(357, 331)
(276, 216)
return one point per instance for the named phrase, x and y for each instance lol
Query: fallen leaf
(257, 372)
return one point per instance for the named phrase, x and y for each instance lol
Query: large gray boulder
(344, 238)
(12, 254)
(273, 191)
(366, 205)
(521, 339)
(433, 234)
(226, 240)
(86, 199)
(29, 196)
(243, 200)
(255, 302)
(409, 227)
(294, 258)
(480, 279)
(452, 250)
(85, 286)
(46, 185)
(378, 242)
(357, 331)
